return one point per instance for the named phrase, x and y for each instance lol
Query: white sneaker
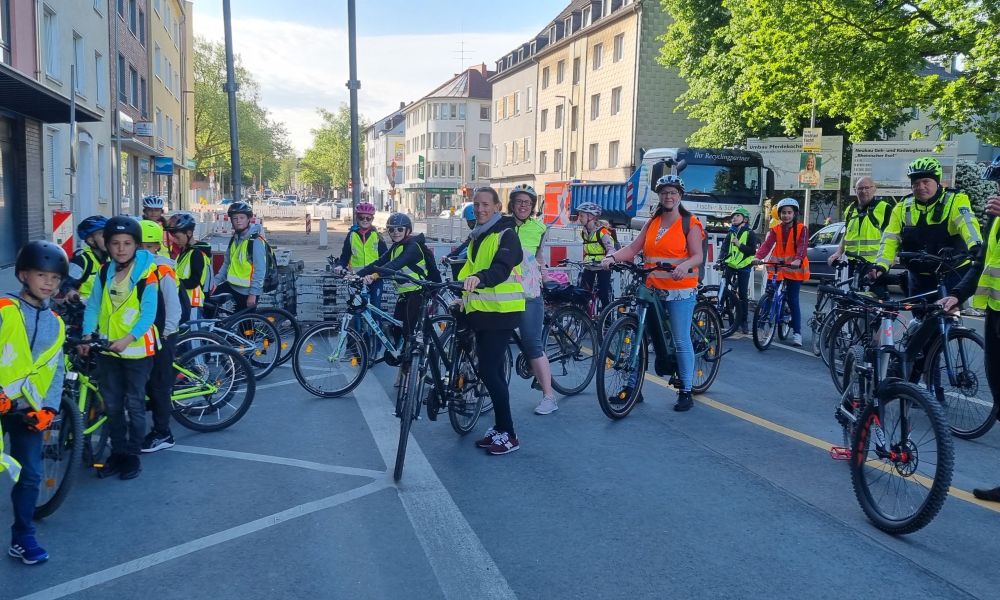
(797, 339)
(546, 406)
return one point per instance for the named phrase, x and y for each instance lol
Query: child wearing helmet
(86, 260)
(31, 383)
(194, 265)
(461, 251)
(788, 242)
(244, 267)
(152, 210)
(736, 255)
(597, 243)
(361, 247)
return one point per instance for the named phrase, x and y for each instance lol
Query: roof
(21, 94)
(471, 83)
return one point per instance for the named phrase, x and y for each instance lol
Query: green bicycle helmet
(925, 166)
(742, 211)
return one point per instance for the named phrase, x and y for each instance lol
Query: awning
(23, 95)
(135, 146)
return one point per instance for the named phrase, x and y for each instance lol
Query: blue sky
(405, 49)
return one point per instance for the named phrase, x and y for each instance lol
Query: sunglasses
(366, 218)
(396, 229)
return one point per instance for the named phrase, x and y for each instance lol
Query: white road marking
(279, 460)
(268, 386)
(446, 537)
(151, 560)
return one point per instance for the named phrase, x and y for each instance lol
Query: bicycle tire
(727, 314)
(466, 405)
(288, 328)
(849, 329)
(236, 382)
(192, 339)
(407, 414)
(264, 346)
(970, 408)
(617, 400)
(346, 346)
(444, 327)
(60, 457)
(762, 319)
(785, 320)
(574, 346)
(943, 460)
(850, 378)
(706, 339)
(822, 337)
(613, 311)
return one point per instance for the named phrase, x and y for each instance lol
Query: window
(496, 157)
(50, 37)
(122, 94)
(572, 165)
(530, 99)
(484, 112)
(506, 107)
(616, 100)
(132, 16)
(613, 154)
(452, 139)
(568, 25)
(598, 55)
(461, 112)
(142, 28)
(527, 148)
(157, 60)
(543, 161)
(423, 141)
(517, 103)
(595, 106)
(134, 79)
(484, 141)
(576, 70)
(497, 112)
(619, 50)
(121, 7)
(514, 152)
(102, 171)
(543, 121)
(142, 96)
(159, 124)
(157, 6)
(545, 78)
(100, 79)
(592, 157)
(80, 62)
(435, 111)
(435, 140)
(559, 116)
(573, 118)
(558, 160)
(53, 175)
(454, 111)
(586, 17)
(409, 147)
(560, 71)
(484, 170)
(5, 31)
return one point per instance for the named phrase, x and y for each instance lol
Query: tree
(754, 67)
(327, 162)
(969, 179)
(262, 140)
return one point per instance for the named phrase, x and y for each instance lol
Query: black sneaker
(990, 495)
(684, 401)
(112, 466)
(130, 467)
(157, 441)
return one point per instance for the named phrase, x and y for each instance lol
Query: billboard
(886, 163)
(784, 156)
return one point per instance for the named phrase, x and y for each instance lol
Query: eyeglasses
(366, 218)
(865, 187)
(522, 202)
(396, 229)
(671, 193)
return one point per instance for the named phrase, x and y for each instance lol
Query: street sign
(163, 165)
(812, 139)
(144, 128)
(885, 162)
(472, 169)
(62, 230)
(420, 167)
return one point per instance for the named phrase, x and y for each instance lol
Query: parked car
(825, 242)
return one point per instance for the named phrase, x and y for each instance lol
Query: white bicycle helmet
(590, 208)
(788, 202)
(152, 202)
(670, 181)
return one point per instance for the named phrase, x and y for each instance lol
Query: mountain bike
(772, 313)
(896, 436)
(726, 297)
(625, 348)
(289, 330)
(253, 335)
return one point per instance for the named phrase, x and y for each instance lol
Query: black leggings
(490, 346)
(992, 334)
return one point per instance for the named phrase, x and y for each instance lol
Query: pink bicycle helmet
(365, 208)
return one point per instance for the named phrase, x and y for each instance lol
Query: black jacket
(414, 249)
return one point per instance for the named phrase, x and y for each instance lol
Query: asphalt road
(737, 498)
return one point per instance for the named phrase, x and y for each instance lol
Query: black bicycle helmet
(240, 208)
(123, 224)
(42, 256)
(181, 222)
(399, 220)
(90, 225)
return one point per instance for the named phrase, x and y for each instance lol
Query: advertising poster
(784, 156)
(886, 163)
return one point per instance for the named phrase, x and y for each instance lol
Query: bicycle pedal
(840, 453)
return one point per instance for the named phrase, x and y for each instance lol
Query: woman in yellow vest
(521, 204)
(194, 265)
(87, 260)
(123, 311)
(31, 381)
(362, 246)
(493, 300)
(667, 239)
(788, 242)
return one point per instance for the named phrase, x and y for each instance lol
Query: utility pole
(230, 88)
(354, 85)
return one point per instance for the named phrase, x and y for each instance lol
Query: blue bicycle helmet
(469, 213)
(90, 225)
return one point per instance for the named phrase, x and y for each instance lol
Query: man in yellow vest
(31, 378)
(245, 265)
(362, 246)
(87, 260)
(123, 312)
(864, 223)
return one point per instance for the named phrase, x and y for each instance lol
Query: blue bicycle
(772, 313)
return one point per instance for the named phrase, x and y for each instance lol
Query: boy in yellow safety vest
(31, 378)
(245, 266)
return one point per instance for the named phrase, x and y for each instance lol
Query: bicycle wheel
(96, 438)
(409, 408)
(329, 361)
(288, 328)
(849, 329)
(964, 393)
(443, 326)
(785, 320)
(467, 395)
(192, 339)
(902, 483)
(763, 323)
(611, 313)
(260, 340)
(727, 311)
(62, 447)
(850, 399)
(214, 387)
(570, 342)
(706, 337)
(822, 336)
(619, 383)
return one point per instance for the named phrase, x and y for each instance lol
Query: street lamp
(562, 163)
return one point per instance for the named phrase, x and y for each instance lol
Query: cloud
(301, 67)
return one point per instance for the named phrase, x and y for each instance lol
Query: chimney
(402, 105)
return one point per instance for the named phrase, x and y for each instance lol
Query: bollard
(322, 234)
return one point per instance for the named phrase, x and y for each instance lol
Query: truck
(717, 181)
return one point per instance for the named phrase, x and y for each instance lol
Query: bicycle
(726, 298)
(772, 312)
(829, 308)
(289, 330)
(625, 348)
(593, 305)
(891, 429)
(251, 334)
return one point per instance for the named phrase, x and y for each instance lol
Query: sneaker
(503, 443)
(684, 401)
(157, 441)
(991, 495)
(547, 406)
(28, 550)
(112, 466)
(797, 340)
(487, 440)
(130, 467)
(744, 330)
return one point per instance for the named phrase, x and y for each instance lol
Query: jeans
(680, 313)
(530, 331)
(792, 289)
(123, 385)
(742, 292)
(490, 345)
(25, 448)
(991, 332)
(603, 285)
(161, 384)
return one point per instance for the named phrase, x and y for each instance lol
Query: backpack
(614, 234)
(271, 274)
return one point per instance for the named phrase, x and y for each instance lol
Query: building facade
(385, 159)
(447, 143)
(514, 116)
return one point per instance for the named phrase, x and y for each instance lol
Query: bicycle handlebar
(399, 276)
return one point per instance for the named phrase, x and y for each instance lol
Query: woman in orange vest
(672, 235)
(788, 241)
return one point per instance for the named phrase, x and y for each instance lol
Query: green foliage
(327, 162)
(753, 67)
(262, 140)
(969, 179)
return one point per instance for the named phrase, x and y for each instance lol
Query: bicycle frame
(657, 328)
(370, 316)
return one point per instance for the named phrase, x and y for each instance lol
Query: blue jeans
(792, 295)
(25, 448)
(680, 313)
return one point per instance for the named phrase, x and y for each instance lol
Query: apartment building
(601, 95)
(514, 117)
(385, 154)
(447, 143)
